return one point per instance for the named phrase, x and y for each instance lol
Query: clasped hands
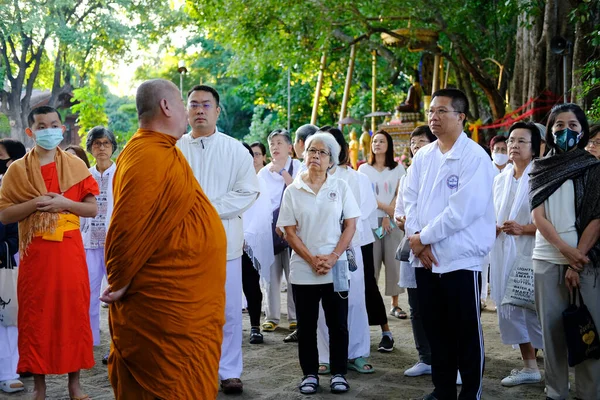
(323, 263)
(421, 251)
(510, 228)
(53, 202)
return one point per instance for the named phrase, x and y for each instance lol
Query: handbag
(520, 286)
(9, 307)
(403, 251)
(279, 243)
(350, 255)
(580, 331)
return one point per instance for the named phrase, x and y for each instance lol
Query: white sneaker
(518, 377)
(418, 369)
(458, 378)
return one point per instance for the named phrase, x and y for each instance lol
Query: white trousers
(231, 363)
(485, 273)
(9, 353)
(97, 271)
(359, 336)
(278, 268)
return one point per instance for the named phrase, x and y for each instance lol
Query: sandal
(309, 384)
(398, 313)
(255, 336)
(324, 369)
(11, 386)
(359, 364)
(339, 384)
(85, 397)
(269, 326)
(293, 326)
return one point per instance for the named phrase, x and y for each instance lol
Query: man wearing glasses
(451, 224)
(225, 171)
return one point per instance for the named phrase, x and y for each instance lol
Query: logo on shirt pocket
(332, 195)
(452, 182)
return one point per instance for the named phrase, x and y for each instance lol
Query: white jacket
(225, 171)
(452, 207)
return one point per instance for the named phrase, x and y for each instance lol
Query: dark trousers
(335, 306)
(416, 321)
(251, 287)
(450, 308)
(374, 302)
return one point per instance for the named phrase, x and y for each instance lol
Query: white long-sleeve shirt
(225, 171)
(448, 199)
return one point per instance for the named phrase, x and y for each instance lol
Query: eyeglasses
(441, 112)
(322, 153)
(195, 106)
(99, 145)
(512, 142)
(596, 143)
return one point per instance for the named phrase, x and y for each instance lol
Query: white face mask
(499, 158)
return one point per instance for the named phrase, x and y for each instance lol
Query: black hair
(205, 88)
(280, 132)
(80, 153)
(497, 139)
(419, 131)
(389, 153)
(14, 148)
(249, 148)
(343, 158)
(536, 138)
(460, 102)
(594, 130)
(99, 132)
(305, 131)
(579, 114)
(41, 111)
(423, 130)
(262, 147)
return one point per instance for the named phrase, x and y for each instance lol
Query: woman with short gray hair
(311, 211)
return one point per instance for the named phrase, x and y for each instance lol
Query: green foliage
(263, 123)
(122, 118)
(89, 105)
(4, 126)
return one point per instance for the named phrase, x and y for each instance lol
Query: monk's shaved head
(149, 95)
(160, 107)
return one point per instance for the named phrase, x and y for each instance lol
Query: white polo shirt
(317, 220)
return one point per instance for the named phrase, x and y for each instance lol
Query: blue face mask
(49, 138)
(566, 139)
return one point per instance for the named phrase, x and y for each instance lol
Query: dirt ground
(272, 371)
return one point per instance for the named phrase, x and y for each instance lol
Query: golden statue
(414, 98)
(365, 144)
(353, 147)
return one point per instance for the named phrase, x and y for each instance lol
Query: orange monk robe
(53, 288)
(167, 240)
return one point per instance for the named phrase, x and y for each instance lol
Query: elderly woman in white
(514, 246)
(311, 211)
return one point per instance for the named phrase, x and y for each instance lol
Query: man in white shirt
(225, 172)
(450, 222)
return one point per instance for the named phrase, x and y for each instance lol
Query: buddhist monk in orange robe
(46, 192)
(165, 256)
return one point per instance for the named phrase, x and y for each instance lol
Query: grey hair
(99, 132)
(280, 132)
(329, 141)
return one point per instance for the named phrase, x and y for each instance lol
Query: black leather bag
(279, 243)
(580, 331)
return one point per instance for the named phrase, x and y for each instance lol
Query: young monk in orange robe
(46, 192)
(165, 256)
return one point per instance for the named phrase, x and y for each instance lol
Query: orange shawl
(167, 241)
(24, 181)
